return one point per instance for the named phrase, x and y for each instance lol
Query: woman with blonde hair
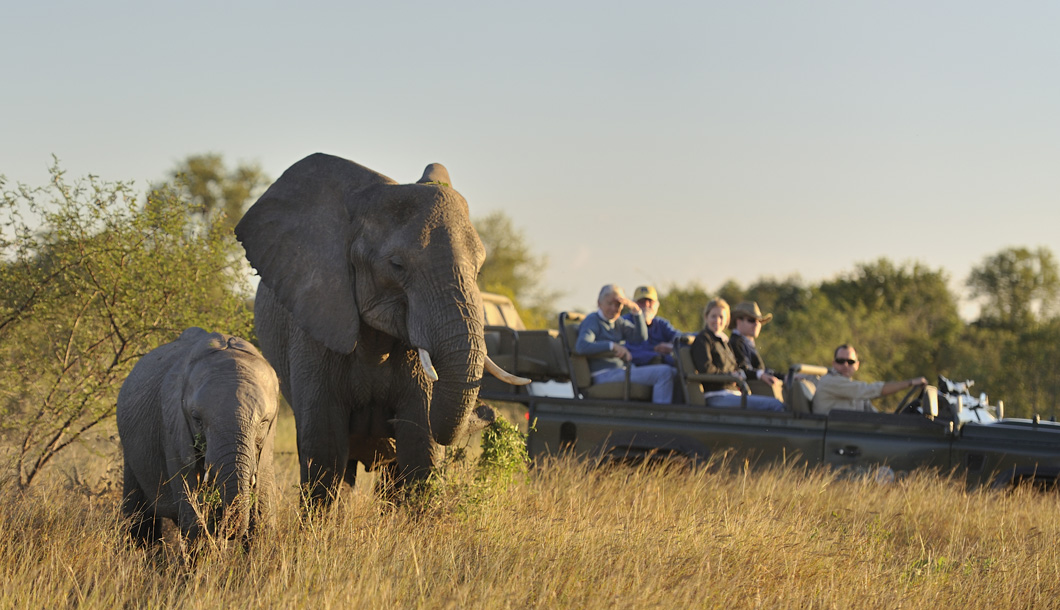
(711, 354)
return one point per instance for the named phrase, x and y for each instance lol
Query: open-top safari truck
(940, 427)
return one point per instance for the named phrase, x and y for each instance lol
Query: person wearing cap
(605, 330)
(661, 333)
(748, 320)
(837, 389)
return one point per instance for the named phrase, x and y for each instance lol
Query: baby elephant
(198, 416)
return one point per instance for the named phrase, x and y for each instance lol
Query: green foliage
(211, 187)
(1018, 287)
(683, 306)
(504, 456)
(512, 270)
(90, 280)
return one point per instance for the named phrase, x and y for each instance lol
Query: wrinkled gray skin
(205, 403)
(357, 274)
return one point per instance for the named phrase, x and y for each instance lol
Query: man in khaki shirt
(837, 390)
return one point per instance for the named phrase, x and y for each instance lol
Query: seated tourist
(748, 321)
(711, 354)
(661, 334)
(605, 330)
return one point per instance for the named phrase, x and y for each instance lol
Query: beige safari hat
(749, 309)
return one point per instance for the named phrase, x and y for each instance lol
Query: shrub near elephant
(198, 413)
(369, 311)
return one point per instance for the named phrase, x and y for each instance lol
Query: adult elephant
(365, 283)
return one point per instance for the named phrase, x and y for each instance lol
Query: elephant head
(343, 247)
(229, 401)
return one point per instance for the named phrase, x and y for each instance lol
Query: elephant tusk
(425, 360)
(504, 375)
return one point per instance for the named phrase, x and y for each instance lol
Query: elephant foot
(145, 531)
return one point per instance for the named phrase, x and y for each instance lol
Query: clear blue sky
(664, 142)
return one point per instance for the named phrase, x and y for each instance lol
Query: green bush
(92, 277)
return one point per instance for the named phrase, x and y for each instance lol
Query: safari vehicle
(939, 427)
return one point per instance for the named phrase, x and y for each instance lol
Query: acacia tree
(90, 280)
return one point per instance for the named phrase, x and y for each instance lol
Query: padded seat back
(693, 390)
(801, 385)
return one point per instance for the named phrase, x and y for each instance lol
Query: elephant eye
(397, 265)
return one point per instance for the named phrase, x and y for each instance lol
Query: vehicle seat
(801, 385)
(578, 366)
(537, 354)
(762, 388)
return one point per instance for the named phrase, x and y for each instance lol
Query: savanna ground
(563, 536)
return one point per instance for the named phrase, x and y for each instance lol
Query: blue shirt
(659, 331)
(596, 336)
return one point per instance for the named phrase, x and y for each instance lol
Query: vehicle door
(855, 439)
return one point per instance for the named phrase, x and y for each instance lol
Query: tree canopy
(512, 269)
(207, 183)
(1018, 287)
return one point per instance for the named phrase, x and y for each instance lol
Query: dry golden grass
(569, 537)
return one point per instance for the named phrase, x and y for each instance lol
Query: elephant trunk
(231, 489)
(459, 360)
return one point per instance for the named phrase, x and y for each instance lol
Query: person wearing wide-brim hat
(750, 310)
(747, 321)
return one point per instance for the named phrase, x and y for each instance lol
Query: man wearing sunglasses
(837, 389)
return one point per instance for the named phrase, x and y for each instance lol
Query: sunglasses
(846, 361)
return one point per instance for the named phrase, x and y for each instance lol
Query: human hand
(664, 348)
(771, 379)
(623, 353)
(918, 381)
(630, 305)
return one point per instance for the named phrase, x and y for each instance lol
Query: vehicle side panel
(594, 428)
(856, 439)
(1008, 452)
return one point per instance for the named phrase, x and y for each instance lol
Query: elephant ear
(297, 237)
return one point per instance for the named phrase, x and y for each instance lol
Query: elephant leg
(323, 450)
(144, 527)
(188, 521)
(184, 488)
(322, 419)
(386, 482)
(351, 472)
